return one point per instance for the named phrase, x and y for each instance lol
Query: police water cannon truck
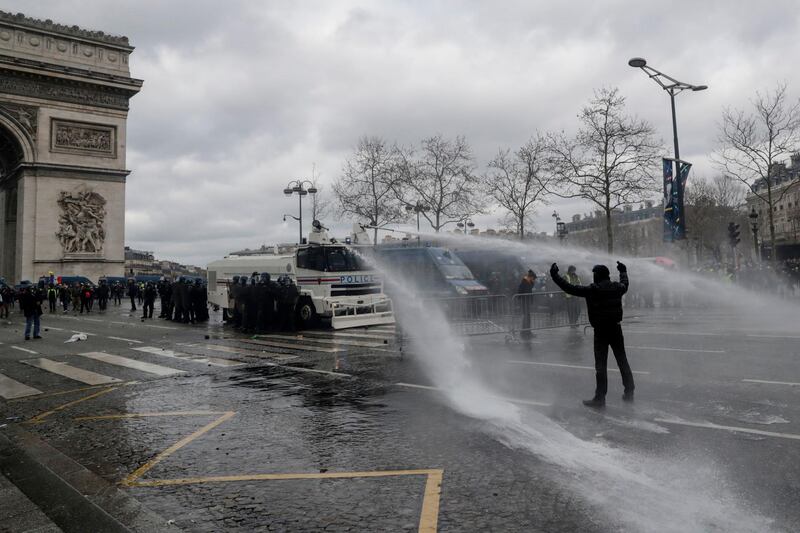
(333, 281)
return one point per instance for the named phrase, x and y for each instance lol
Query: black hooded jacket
(603, 299)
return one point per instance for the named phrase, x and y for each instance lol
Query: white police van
(333, 281)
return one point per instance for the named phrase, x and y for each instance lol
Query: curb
(73, 497)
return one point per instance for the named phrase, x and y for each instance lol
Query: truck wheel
(306, 314)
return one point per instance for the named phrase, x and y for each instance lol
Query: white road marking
(771, 382)
(570, 366)
(125, 323)
(505, 398)
(774, 336)
(84, 332)
(160, 351)
(733, 429)
(187, 357)
(25, 350)
(10, 388)
(53, 328)
(244, 351)
(92, 320)
(675, 349)
(662, 332)
(312, 370)
(150, 368)
(125, 340)
(302, 338)
(159, 327)
(275, 344)
(71, 372)
(336, 334)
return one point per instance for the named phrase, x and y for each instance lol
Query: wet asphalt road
(343, 432)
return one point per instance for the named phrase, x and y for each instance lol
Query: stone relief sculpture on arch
(81, 222)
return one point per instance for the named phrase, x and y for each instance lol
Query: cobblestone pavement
(209, 430)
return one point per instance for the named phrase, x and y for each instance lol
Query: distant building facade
(786, 211)
(144, 263)
(637, 232)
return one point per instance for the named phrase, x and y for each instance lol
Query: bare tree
(321, 204)
(752, 146)
(710, 206)
(611, 161)
(440, 176)
(366, 187)
(517, 181)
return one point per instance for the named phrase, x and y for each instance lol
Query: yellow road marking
(38, 418)
(143, 415)
(136, 474)
(429, 517)
(429, 513)
(265, 477)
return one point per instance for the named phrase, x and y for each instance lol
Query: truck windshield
(450, 265)
(341, 259)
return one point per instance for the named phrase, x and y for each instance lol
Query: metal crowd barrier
(502, 314)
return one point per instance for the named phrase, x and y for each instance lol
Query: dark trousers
(52, 305)
(573, 310)
(133, 303)
(605, 336)
(147, 309)
(103, 303)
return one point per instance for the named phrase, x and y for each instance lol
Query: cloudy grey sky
(242, 96)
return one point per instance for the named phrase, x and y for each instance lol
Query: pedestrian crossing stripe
(214, 361)
(320, 340)
(71, 372)
(11, 388)
(117, 360)
(275, 344)
(372, 335)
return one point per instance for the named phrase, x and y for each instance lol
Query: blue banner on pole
(674, 216)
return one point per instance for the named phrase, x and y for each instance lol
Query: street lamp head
(753, 215)
(287, 191)
(699, 88)
(312, 190)
(297, 188)
(302, 192)
(637, 62)
(470, 224)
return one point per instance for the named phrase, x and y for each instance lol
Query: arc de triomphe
(64, 95)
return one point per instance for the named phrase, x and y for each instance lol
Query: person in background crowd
(573, 305)
(52, 295)
(526, 300)
(102, 295)
(8, 296)
(133, 293)
(165, 295)
(140, 292)
(149, 300)
(116, 293)
(30, 303)
(86, 298)
(64, 296)
(287, 303)
(200, 301)
(604, 305)
(75, 294)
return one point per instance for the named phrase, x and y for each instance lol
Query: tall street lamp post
(754, 228)
(673, 87)
(298, 187)
(561, 228)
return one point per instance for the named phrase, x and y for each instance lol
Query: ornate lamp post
(561, 228)
(298, 187)
(465, 224)
(418, 208)
(754, 228)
